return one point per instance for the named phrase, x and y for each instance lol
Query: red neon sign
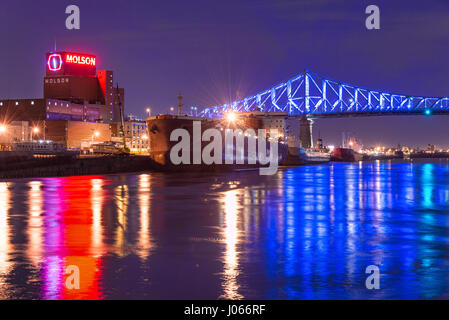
(54, 62)
(79, 59)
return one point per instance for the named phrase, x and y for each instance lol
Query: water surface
(304, 233)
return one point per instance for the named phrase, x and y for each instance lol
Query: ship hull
(160, 129)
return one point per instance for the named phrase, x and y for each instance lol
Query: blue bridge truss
(314, 96)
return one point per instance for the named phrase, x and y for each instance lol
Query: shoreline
(76, 166)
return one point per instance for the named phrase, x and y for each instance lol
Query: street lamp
(96, 134)
(231, 117)
(33, 132)
(2, 128)
(149, 111)
(193, 111)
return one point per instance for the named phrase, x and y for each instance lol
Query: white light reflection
(4, 229)
(121, 199)
(144, 205)
(35, 224)
(96, 200)
(231, 238)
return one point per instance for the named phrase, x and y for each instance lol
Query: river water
(304, 233)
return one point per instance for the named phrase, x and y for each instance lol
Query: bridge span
(315, 96)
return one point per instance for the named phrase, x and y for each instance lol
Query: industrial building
(79, 103)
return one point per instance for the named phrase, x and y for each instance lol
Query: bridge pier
(305, 132)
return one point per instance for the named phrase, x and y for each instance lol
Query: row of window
(16, 103)
(136, 145)
(67, 105)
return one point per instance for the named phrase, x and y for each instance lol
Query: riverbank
(63, 166)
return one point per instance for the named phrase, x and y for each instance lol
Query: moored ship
(298, 155)
(162, 127)
(314, 156)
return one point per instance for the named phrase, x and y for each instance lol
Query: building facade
(136, 135)
(15, 131)
(77, 134)
(74, 92)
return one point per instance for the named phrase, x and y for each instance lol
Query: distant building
(136, 135)
(15, 131)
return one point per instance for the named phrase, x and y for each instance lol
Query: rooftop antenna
(179, 104)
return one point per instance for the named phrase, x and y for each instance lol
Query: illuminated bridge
(313, 96)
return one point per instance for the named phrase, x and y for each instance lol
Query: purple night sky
(216, 51)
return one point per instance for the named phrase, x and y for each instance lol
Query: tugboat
(346, 155)
(348, 151)
(319, 154)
